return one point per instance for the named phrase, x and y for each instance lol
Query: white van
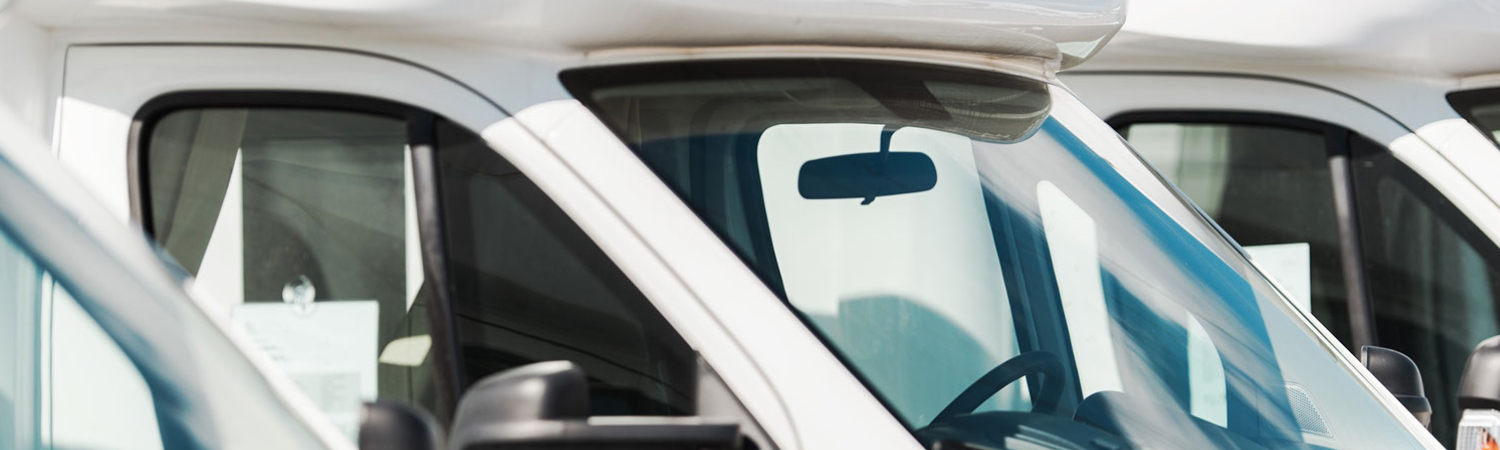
(685, 224)
(1349, 146)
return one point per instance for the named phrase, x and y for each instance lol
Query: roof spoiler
(1064, 33)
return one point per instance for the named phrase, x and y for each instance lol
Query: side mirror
(1480, 386)
(1399, 375)
(546, 405)
(1479, 397)
(396, 426)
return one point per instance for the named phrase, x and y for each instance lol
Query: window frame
(1464, 102)
(421, 137)
(1339, 155)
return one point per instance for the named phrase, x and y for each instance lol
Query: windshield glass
(992, 262)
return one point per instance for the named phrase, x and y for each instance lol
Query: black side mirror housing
(546, 405)
(1480, 386)
(395, 426)
(1399, 375)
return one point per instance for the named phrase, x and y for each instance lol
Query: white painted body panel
(90, 65)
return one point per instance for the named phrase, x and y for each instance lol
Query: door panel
(285, 160)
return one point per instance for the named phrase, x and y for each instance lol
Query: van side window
(1270, 188)
(302, 223)
(530, 286)
(1434, 277)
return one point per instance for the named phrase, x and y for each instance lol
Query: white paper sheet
(330, 351)
(1288, 264)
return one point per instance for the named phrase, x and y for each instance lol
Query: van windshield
(987, 257)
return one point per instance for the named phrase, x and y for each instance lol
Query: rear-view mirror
(866, 175)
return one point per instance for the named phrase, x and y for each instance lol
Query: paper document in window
(1290, 265)
(329, 351)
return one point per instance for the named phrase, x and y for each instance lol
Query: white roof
(1445, 38)
(1063, 31)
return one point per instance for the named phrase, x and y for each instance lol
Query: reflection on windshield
(1021, 290)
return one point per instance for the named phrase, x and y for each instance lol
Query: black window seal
(1464, 102)
(420, 126)
(1356, 282)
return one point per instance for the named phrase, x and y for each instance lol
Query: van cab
(681, 224)
(1349, 147)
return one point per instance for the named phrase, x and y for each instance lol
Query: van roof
(1064, 32)
(1442, 38)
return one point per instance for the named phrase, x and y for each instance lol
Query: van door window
(302, 223)
(1434, 277)
(1270, 187)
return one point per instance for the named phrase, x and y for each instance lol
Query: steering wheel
(1040, 362)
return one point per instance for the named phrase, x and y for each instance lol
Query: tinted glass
(301, 224)
(1481, 108)
(530, 286)
(1034, 255)
(1488, 117)
(1269, 187)
(1434, 277)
